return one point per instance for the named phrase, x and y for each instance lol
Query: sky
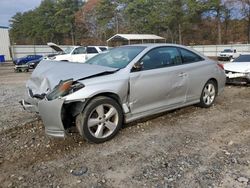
(9, 8)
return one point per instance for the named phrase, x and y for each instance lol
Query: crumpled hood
(242, 67)
(49, 73)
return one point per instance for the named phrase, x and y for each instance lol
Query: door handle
(183, 74)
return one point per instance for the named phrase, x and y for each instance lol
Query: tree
(65, 17)
(51, 21)
(246, 14)
(107, 17)
(179, 21)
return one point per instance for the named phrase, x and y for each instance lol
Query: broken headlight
(65, 87)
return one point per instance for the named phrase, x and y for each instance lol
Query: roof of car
(156, 44)
(153, 45)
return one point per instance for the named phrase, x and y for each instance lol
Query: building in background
(5, 43)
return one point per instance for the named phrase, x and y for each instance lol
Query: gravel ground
(12, 90)
(189, 147)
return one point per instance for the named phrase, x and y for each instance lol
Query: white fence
(18, 51)
(213, 50)
(208, 50)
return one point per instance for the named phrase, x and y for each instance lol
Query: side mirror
(137, 66)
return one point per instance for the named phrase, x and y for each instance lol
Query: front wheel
(208, 94)
(101, 120)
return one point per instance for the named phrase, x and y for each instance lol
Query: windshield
(68, 50)
(117, 57)
(242, 58)
(227, 51)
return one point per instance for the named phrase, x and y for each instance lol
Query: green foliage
(51, 21)
(180, 21)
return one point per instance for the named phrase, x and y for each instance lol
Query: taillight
(221, 66)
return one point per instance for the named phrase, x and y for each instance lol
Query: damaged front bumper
(237, 77)
(51, 115)
(223, 58)
(24, 67)
(28, 106)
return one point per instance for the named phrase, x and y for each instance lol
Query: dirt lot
(190, 147)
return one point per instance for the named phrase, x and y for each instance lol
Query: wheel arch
(77, 107)
(111, 95)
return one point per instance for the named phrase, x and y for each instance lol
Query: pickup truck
(76, 53)
(227, 55)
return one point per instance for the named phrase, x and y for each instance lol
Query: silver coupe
(119, 86)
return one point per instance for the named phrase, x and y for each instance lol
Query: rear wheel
(101, 120)
(208, 94)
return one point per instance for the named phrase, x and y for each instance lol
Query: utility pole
(72, 35)
(180, 36)
(117, 23)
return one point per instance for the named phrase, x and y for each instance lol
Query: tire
(101, 120)
(208, 95)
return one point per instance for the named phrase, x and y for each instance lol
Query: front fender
(119, 88)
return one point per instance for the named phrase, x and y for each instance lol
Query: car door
(198, 73)
(161, 81)
(78, 55)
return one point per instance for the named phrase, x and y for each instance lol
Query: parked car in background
(21, 64)
(238, 71)
(76, 53)
(33, 63)
(26, 59)
(120, 86)
(227, 55)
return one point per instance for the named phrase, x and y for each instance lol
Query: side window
(189, 57)
(91, 50)
(161, 57)
(80, 50)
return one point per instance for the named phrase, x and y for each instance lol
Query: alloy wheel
(209, 94)
(103, 120)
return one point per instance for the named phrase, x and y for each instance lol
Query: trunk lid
(242, 67)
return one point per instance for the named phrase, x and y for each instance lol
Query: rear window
(91, 50)
(242, 58)
(103, 48)
(189, 57)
